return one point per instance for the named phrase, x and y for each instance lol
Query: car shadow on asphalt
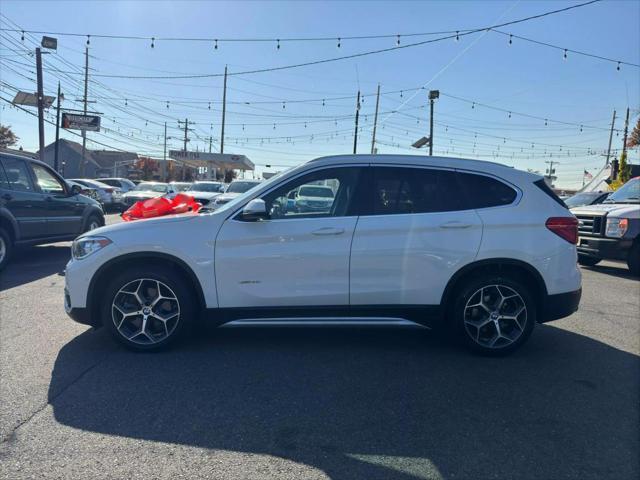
(620, 271)
(367, 403)
(28, 264)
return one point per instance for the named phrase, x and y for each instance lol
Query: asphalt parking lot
(316, 403)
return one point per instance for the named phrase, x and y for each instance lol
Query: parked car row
(38, 206)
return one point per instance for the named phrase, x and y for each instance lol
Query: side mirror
(75, 190)
(255, 210)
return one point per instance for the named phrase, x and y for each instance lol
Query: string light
(338, 42)
(565, 53)
(152, 42)
(22, 38)
(618, 67)
(88, 40)
(546, 122)
(510, 39)
(167, 104)
(323, 102)
(398, 41)
(278, 44)
(215, 44)
(126, 103)
(509, 114)
(457, 36)
(283, 105)
(473, 105)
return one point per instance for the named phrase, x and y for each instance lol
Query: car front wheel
(494, 315)
(148, 308)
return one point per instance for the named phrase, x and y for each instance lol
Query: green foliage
(7, 137)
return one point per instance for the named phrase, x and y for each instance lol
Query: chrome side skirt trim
(323, 322)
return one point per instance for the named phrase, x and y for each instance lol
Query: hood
(611, 209)
(146, 223)
(143, 194)
(227, 196)
(207, 195)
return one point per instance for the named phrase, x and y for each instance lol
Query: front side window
(404, 190)
(47, 182)
(325, 193)
(17, 175)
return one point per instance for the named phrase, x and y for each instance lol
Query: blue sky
(521, 77)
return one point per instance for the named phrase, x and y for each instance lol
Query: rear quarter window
(542, 185)
(480, 191)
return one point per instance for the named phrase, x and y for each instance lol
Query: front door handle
(328, 231)
(455, 225)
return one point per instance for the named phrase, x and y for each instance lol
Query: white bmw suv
(478, 247)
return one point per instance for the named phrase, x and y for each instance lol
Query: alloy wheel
(495, 316)
(145, 311)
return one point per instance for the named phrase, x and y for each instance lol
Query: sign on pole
(31, 99)
(49, 42)
(74, 121)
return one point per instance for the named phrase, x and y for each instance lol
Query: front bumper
(80, 315)
(605, 248)
(560, 305)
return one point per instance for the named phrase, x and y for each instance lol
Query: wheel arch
(105, 272)
(8, 223)
(525, 272)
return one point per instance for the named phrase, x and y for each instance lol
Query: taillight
(564, 227)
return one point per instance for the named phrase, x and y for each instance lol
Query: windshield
(628, 193)
(181, 187)
(205, 187)
(95, 183)
(152, 187)
(311, 191)
(581, 199)
(241, 187)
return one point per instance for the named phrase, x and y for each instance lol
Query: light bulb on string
(22, 37)
(283, 105)
(473, 105)
(209, 105)
(126, 103)
(618, 67)
(509, 114)
(457, 36)
(88, 40)
(510, 39)
(278, 44)
(167, 104)
(338, 42)
(546, 122)
(215, 44)
(323, 102)
(565, 54)
(398, 40)
(153, 39)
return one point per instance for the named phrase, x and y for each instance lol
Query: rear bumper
(560, 305)
(606, 248)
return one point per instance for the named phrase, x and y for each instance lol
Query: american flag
(587, 175)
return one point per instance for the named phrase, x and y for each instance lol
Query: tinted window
(337, 186)
(399, 190)
(17, 175)
(113, 183)
(481, 192)
(3, 179)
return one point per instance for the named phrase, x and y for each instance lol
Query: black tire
(588, 261)
(6, 246)
(633, 260)
(93, 222)
(154, 338)
(516, 333)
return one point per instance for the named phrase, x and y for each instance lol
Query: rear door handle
(455, 225)
(328, 231)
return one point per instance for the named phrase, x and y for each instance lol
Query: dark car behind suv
(37, 206)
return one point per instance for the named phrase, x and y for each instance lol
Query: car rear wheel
(5, 248)
(148, 308)
(588, 261)
(93, 222)
(494, 315)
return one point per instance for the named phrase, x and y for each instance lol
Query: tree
(624, 172)
(7, 137)
(634, 139)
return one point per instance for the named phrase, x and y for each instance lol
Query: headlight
(85, 246)
(616, 227)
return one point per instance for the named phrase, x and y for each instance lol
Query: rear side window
(402, 190)
(481, 191)
(18, 175)
(542, 185)
(3, 178)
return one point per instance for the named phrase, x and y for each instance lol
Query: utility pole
(626, 131)
(224, 109)
(84, 132)
(186, 139)
(551, 171)
(355, 135)
(40, 102)
(57, 147)
(433, 94)
(375, 123)
(613, 122)
(164, 156)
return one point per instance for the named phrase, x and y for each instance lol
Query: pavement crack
(9, 437)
